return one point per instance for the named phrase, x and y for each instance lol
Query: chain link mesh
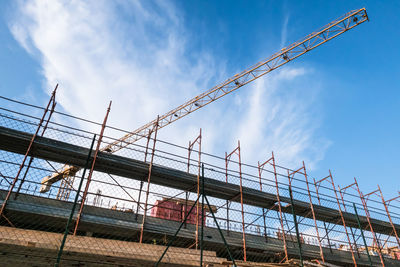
(126, 220)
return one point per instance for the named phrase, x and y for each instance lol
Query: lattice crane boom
(287, 54)
(311, 41)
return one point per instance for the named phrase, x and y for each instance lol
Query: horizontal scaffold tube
(62, 152)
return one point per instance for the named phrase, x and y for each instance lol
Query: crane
(285, 55)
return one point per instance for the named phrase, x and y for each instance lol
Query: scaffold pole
(362, 234)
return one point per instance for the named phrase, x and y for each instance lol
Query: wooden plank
(103, 247)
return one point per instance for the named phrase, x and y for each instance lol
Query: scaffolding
(266, 212)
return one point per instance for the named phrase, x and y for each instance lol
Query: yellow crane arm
(311, 41)
(287, 54)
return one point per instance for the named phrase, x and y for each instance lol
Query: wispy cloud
(281, 117)
(137, 54)
(284, 32)
(97, 56)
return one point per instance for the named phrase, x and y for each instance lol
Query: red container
(175, 210)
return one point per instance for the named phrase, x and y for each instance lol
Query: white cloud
(137, 54)
(284, 30)
(281, 118)
(95, 56)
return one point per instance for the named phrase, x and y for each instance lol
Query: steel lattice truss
(313, 40)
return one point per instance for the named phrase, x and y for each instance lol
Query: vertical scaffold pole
(202, 212)
(142, 179)
(290, 176)
(187, 192)
(198, 190)
(343, 221)
(319, 202)
(364, 203)
(190, 149)
(149, 180)
(53, 106)
(260, 169)
(341, 192)
(14, 182)
(296, 226)
(388, 214)
(85, 192)
(227, 201)
(313, 214)
(280, 207)
(241, 203)
(227, 159)
(362, 234)
(71, 215)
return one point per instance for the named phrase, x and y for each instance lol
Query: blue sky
(336, 107)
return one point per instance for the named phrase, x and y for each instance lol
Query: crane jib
(285, 55)
(311, 41)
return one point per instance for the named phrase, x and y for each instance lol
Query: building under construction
(73, 197)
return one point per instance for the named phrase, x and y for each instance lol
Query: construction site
(73, 197)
